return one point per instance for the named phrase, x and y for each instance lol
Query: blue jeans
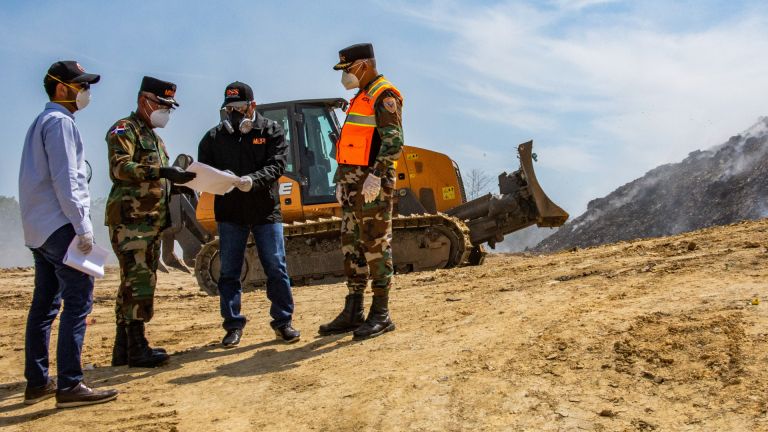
(55, 282)
(233, 239)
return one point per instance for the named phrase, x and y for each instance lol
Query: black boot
(378, 321)
(120, 349)
(139, 352)
(349, 319)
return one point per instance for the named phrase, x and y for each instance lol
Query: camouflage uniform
(136, 213)
(366, 228)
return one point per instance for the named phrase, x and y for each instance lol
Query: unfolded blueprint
(211, 180)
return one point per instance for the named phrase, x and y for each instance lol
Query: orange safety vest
(354, 145)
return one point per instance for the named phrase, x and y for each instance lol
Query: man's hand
(176, 174)
(371, 188)
(338, 192)
(245, 183)
(85, 243)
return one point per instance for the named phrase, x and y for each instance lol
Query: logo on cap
(80, 67)
(169, 92)
(233, 92)
(342, 58)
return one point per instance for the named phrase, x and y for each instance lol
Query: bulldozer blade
(169, 257)
(521, 202)
(550, 214)
(161, 267)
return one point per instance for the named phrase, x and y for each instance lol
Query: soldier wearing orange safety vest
(371, 141)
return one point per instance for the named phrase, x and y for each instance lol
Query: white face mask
(350, 80)
(83, 99)
(159, 118)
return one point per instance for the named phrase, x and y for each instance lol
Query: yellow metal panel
(290, 200)
(436, 173)
(204, 213)
(449, 193)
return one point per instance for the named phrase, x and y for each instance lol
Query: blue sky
(606, 89)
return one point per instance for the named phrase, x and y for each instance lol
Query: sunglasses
(354, 64)
(81, 85)
(241, 109)
(156, 102)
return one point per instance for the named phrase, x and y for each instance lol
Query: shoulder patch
(390, 104)
(118, 130)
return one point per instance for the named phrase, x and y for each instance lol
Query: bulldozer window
(317, 163)
(281, 117)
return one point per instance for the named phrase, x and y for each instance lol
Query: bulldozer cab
(311, 130)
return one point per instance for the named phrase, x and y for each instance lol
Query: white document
(211, 180)
(92, 264)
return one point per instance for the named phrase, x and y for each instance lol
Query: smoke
(744, 149)
(626, 194)
(13, 253)
(12, 250)
(717, 186)
(524, 239)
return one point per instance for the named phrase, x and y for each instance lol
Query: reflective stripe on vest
(354, 145)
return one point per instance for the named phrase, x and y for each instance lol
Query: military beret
(352, 53)
(164, 90)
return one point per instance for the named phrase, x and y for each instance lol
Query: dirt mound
(661, 334)
(718, 186)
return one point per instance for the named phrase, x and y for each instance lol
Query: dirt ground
(636, 336)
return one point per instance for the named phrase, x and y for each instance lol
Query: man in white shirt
(55, 210)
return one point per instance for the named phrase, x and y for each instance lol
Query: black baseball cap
(165, 91)
(237, 92)
(352, 53)
(70, 71)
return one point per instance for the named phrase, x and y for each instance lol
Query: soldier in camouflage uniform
(136, 214)
(370, 143)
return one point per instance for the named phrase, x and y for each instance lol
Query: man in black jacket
(253, 147)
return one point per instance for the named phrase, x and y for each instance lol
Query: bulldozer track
(318, 240)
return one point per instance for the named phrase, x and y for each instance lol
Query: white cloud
(570, 158)
(581, 4)
(648, 95)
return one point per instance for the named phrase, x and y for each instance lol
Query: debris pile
(718, 186)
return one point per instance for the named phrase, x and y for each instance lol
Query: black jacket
(261, 154)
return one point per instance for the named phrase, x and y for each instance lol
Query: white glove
(85, 243)
(338, 192)
(245, 183)
(371, 188)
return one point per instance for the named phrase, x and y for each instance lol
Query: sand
(658, 334)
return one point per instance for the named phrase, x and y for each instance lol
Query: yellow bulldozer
(434, 225)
